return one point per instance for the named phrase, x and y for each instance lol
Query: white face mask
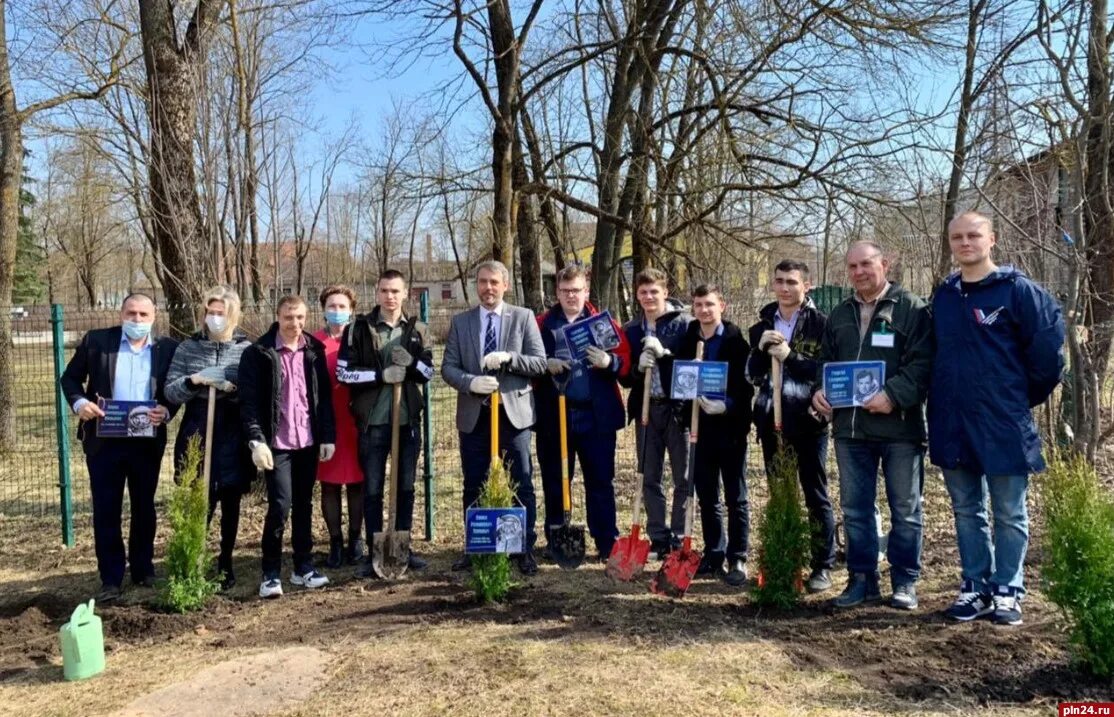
(216, 324)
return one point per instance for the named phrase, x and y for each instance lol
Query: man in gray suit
(495, 347)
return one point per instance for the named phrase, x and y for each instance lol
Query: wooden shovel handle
(210, 416)
(775, 379)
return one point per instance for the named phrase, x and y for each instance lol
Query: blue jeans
(998, 562)
(903, 470)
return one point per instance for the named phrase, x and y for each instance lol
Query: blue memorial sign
(495, 530)
(849, 384)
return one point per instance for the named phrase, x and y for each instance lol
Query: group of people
(984, 352)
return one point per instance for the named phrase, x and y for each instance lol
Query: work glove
(261, 456)
(401, 357)
(598, 357)
(646, 360)
(770, 337)
(712, 406)
(779, 351)
(326, 451)
(209, 376)
(484, 385)
(653, 345)
(394, 374)
(225, 386)
(495, 360)
(556, 365)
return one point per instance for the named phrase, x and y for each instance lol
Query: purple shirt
(294, 429)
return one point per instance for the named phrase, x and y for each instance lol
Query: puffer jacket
(999, 353)
(231, 461)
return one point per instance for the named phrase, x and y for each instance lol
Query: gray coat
(518, 335)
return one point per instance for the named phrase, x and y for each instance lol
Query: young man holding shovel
(495, 347)
(721, 446)
(658, 331)
(790, 330)
(378, 351)
(595, 411)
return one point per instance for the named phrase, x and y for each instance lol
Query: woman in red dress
(339, 304)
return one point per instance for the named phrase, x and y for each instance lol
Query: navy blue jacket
(999, 352)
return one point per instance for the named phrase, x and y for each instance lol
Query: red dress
(345, 465)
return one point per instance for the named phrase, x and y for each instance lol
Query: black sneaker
(1007, 610)
(659, 549)
(146, 581)
(527, 565)
(737, 576)
(365, 570)
(711, 564)
(861, 588)
(108, 594)
(416, 562)
(970, 605)
(819, 581)
(227, 581)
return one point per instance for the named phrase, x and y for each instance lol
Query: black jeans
(514, 444)
(812, 455)
(290, 490)
(133, 462)
(596, 451)
(722, 456)
(374, 448)
(228, 497)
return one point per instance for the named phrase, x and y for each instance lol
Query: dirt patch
(259, 684)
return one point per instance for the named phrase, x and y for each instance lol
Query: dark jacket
(231, 463)
(606, 398)
(670, 328)
(360, 366)
(91, 373)
(260, 390)
(908, 364)
(999, 352)
(799, 372)
(735, 421)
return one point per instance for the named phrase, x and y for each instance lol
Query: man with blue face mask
(122, 363)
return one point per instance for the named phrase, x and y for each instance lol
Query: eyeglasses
(570, 292)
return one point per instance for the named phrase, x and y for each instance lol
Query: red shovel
(628, 555)
(678, 570)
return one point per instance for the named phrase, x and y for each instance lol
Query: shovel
(628, 555)
(678, 570)
(390, 550)
(210, 415)
(566, 541)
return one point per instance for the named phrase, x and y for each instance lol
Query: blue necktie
(489, 335)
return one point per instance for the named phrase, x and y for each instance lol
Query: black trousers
(812, 455)
(374, 448)
(722, 457)
(135, 463)
(228, 498)
(514, 444)
(290, 491)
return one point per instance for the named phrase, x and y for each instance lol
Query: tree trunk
(11, 169)
(528, 242)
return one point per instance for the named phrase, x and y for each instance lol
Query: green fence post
(62, 426)
(427, 464)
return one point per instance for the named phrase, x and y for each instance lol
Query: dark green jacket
(908, 364)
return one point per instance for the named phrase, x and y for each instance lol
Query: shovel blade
(676, 573)
(390, 554)
(628, 558)
(566, 543)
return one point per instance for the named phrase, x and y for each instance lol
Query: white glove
(325, 453)
(225, 386)
(209, 376)
(770, 337)
(484, 385)
(598, 357)
(261, 456)
(401, 357)
(495, 360)
(394, 374)
(779, 351)
(653, 345)
(646, 360)
(711, 406)
(556, 365)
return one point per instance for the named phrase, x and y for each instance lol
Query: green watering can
(82, 644)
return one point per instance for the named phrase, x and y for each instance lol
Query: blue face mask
(135, 330)
(338, 318)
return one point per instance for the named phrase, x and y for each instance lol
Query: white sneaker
(270, 588)
(311, 580)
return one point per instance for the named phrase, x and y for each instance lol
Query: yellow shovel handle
(566, 499)
(495, 425)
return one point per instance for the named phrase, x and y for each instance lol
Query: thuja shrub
(187, 558)
(491, 574)
(1079, 556)
(783, 530)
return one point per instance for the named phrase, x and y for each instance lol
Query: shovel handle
(645, 422)
(566, 498)
(210, 415)
(495, 425)
(690, 514)
(775, 380)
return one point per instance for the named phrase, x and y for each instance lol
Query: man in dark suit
(122, 363)
(495, 347)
